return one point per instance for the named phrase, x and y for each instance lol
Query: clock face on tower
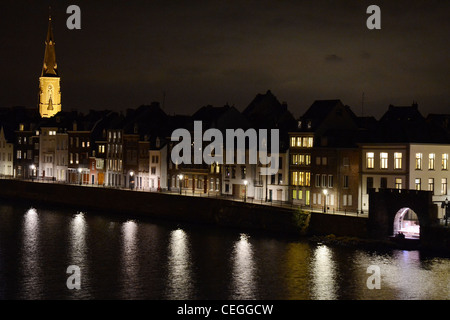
(50, 91)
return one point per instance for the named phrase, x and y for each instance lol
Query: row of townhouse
(134, 151)
(337, 157)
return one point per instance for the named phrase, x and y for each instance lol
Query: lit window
(444, 186)
(307, 159)
(431, 184)
(307, 179)
(299, 142)
(370, 160)
(301, 159)
(295, 178)
(397, 160)
(301, 178)
(417, 183)
(418, 161)
(324, 161)
(431, 161)
(445, 161)
(383, 160)
(292, 141)
(398, 183)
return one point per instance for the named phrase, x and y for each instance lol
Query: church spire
(50, 68)
(49, 81)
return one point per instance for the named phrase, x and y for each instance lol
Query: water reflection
(78, 239)
(78, 250)
(323, 271)
(145, 260)
(130, 263)
(180, 283)
(296, 271)
(243, 276)
(31, 270)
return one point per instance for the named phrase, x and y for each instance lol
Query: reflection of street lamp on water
(245, 195)
(325, 192)
(180, 177)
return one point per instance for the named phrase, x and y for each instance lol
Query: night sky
(129, 53)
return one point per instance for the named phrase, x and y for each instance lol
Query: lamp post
(32, 167)
(325, 192)
(131, 180)
(79, 173)
(444, 205)
(180, 177)
(245, 194)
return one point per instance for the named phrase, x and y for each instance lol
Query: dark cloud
(365, 55)
(333, 58)
(210, 52)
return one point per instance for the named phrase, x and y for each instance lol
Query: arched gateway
(406, 224)
(394, 211)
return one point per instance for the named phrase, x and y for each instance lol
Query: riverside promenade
(218, 210)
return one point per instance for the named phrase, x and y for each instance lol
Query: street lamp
(180, 177)
(131, 180)
(444, 205)
(325, 192)
(32, 167)
(79, 174)
(245, 195)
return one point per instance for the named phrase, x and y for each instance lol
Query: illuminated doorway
(406, 223)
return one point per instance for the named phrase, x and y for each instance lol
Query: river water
(123, 258)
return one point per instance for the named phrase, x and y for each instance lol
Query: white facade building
(157, 178)
(278, 184)
(429, 170)
(383, 166)
(53, 154)
(6, 155)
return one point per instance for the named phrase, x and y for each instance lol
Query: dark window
(383, 183)
(369, 184)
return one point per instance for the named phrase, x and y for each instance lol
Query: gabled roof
(320, 113)
(266, 112)
(402, 113)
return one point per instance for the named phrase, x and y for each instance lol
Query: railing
(209, 194)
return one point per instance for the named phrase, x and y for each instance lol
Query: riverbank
(287, 222)
(172, 207)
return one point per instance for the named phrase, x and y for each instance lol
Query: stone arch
(407, 223)
(384, 204)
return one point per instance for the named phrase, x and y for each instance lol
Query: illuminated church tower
(49, 86)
